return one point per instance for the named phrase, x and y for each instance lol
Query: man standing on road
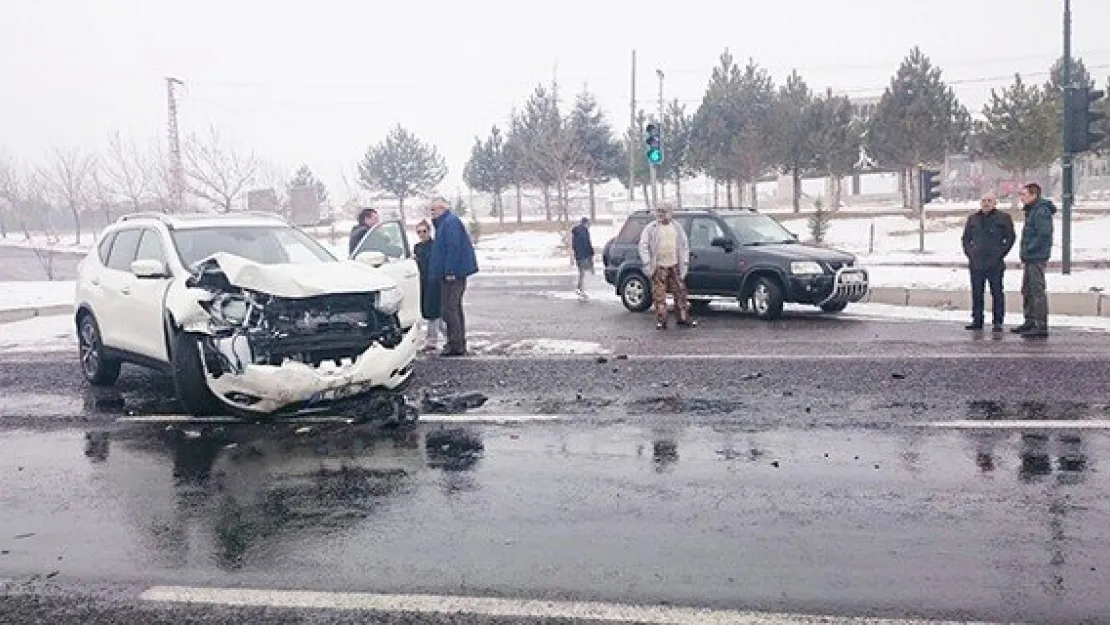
(583, 249)
(665, 254)
(453, 260)
(988, 237)
(1036, 248)
(367, 219)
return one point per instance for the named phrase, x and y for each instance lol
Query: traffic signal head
(1081, 133)
(654, 144)
(930, 180)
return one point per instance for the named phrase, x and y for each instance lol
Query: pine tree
(600, 153)
(678, 130)
(794, 122)
(402, 165)
(1021, 130)
(305, 178)
(487, 170)
(836, 139)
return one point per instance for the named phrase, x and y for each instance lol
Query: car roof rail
(263, 214)
(162, 217)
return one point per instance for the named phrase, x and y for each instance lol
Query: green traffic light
(655, 156)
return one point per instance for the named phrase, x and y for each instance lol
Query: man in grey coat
(665, 254)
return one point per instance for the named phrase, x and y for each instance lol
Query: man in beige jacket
(665, 254)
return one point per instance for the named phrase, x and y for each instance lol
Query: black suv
(741, 254)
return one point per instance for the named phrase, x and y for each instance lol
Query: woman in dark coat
(429, 293)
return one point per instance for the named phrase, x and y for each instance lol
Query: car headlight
(389, 301)
(806, 268)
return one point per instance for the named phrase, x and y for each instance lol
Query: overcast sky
(317, 82)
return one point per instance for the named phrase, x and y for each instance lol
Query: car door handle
(96, 281)
(125, 290)
(411, 274)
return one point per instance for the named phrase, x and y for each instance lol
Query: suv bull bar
(850, 289)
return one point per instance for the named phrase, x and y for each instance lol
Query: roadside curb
(23, 314)
(1076, 304)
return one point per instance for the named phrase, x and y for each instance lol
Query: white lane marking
(489, 418)
(424, 418)
(490, 607)
(814, 356)
(1091, 424)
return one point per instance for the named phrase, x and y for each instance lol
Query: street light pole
(1067, 160)
(662, 125)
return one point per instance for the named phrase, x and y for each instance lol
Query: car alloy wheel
(635, 292)
(761, 299)
(89, 346)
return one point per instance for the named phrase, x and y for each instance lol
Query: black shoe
(1021, 328)
(974, 326)
(1035, 332)
(689, 323)
(660, 325)
(997, 328)
(452, 353)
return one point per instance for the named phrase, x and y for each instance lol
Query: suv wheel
(834, 306)
(767, 299)
(635, 292)
(98, 369)
(189, 378)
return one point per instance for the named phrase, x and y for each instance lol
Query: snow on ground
(909, 314)
(41, 334)
(16, 295)
(958, 279)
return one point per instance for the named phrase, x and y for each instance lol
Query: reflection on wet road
(901, 521)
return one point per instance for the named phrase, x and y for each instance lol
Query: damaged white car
(248, 314)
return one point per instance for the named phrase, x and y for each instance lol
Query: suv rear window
(630, 232)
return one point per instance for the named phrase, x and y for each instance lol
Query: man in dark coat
(453, 261)
(583, 249)
(367, 219)
(429, 291)
(1036, 249)
(988, 237)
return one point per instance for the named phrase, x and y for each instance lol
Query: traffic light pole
(654, 185)
(1067, 160)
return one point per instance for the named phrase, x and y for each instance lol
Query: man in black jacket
(988, 237)
(583, 249)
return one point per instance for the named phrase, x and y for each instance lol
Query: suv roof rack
(162, 217)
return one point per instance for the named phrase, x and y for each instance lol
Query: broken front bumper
(267, 389)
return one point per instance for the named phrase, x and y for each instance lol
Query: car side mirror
(724, 242)
(374, 259)
(149, 269)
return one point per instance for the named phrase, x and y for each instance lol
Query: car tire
(834, 306)
(766, 299)
(189, 377)
(635, 292)
(98, 369)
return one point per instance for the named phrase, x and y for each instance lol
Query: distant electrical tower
(177, 171)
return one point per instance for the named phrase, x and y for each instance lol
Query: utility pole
(633, 137)
(177, 171)
(662, 118)
(1067, 160)
(654, 178)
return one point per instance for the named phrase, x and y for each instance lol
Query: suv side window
(633, 227)
(105, 248)
(388, 238)
(703, 230)
(124, 249)
(150, 247)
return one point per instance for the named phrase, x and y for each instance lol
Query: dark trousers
(452, 302)
(979, 280)
(1034, 294)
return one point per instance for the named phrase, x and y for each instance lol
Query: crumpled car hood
(296, 280)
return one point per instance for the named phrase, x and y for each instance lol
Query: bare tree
(160, 175)
(215, 173)
(22, 192)
(128, 171)
(69, 174)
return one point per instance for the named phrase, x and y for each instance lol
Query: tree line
(747, 129)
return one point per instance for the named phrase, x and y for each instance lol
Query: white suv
(249, 315)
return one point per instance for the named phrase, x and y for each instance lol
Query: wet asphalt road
(788, 472)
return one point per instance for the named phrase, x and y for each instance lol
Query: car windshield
(756, 229)
(267, 245)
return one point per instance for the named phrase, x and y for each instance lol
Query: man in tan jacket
(665, 254)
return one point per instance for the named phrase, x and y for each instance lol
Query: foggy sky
(317, 82)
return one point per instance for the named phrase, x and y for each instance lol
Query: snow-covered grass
(957, 279)
(909, 313)
(41, 334)
(16, 295)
